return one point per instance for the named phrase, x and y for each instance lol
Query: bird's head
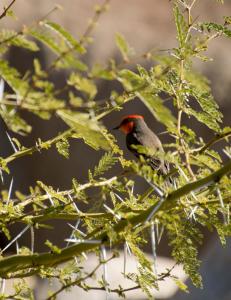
(129, 122)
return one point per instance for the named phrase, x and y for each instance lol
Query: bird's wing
(152, 144)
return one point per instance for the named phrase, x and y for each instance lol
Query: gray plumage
(142, 135)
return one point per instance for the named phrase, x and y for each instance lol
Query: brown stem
(6, 9)
(79, 280)
(84, 36)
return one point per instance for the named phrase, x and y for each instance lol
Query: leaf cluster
(113, 214)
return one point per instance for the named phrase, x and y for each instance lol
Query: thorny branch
(20, 262)
(119, 291)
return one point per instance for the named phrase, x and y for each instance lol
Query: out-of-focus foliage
(202, 190)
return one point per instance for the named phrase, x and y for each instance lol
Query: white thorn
(74, 204)
(17, 247)
(32, 238)
(160, 234)
(228, 214)
(15, 239)
(103, 255)
(79, 241)
(192, 213)
(74, 228)
(227, 153)
(11, 142)
(125, 258)
(132, 190)
(49, 197)
(128, 248)
(112, 212)
(153, 242)
(84, 255)
(2, 87)
(156, 188)
(3, 285)
(222, 204)
(1, 175)
(155, 209)
(118, 196)
(186, 178)
(9, 192)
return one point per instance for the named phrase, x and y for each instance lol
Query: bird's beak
(117, 127)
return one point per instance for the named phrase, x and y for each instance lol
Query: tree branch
(213, 141)
(38, 147)
(88, 31)
(6, 9)
(19, 262)
(79, 280)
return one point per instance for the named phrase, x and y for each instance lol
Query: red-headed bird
(139, 134)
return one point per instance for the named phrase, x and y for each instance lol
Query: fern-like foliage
(105, 206)
(106, 162)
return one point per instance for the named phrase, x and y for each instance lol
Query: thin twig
(79, 280)
(213, 141)
(21, 32)
(120, 291)
(6, 9)
(87, 32)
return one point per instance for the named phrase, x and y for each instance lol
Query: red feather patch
(133, 117)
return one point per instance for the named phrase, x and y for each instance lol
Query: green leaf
(74, 100)
(85, 128)
(157, 108)
(53, 248)
(42, 103)
(181, 285)
(55, 195)
(67, 59)
(123, 46)
(70, 61)
(217, 28)
(204, 118)
(208, 104)
(227, 20)
(63, 147)
(38, 69)
(102, 72)
(14, 122)
(19, 40)
(198, 87)
(70, 40)
(181, 26)
(131, 81)
(106, 162)
(184, 240)
(82, 84)
(12, 77)
(47, 40)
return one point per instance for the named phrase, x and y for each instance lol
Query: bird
(138, 136)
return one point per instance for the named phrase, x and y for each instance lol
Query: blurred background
(146, 25)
